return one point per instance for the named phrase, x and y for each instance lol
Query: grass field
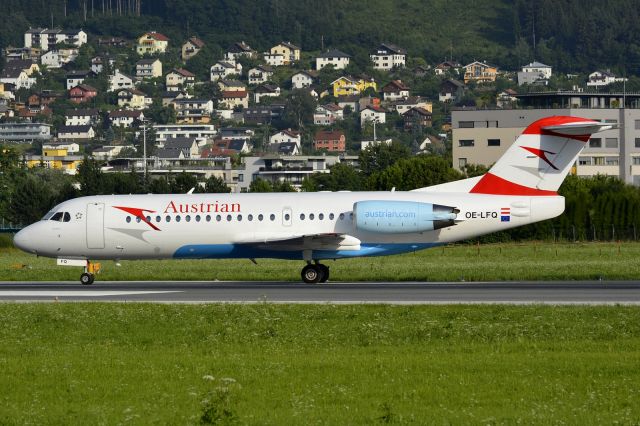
(526, 261)
(318, 364)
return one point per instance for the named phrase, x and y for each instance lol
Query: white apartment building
(46, 39)
(203, 133)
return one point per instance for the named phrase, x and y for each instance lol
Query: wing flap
(304, 242)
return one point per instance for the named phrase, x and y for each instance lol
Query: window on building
(595, 143)
(611, 121)
(598, 161)
(493, 142)
(611, 142)
(612, 161)
(466, 142)
(637, 124)
(584, 161)
(465, 124)
(462, 163)
(636, 161)
(637, 145)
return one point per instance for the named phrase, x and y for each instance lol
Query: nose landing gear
(87, 278)
(315, 273)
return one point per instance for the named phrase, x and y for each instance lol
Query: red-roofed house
(191, 48)
(235, 98)
(180, 78)
(330, 140)
(395, 90)
(151, 43)
(82, 93)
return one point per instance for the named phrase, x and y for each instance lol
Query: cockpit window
(59, 217)
(48, 215)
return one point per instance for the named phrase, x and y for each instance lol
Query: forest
(571, 35)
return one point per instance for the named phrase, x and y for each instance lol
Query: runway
(548, 292)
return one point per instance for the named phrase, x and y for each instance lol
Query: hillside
(571, 35)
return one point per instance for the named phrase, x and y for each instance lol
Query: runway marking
(76, 293)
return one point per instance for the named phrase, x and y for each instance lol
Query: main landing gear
(315, 273)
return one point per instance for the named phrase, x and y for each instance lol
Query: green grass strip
(318, 364)
(529, 261)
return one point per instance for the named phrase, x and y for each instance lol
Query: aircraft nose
(24, 240)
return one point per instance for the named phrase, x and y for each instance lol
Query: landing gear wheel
(312, 274)
(325, 272)
(87, 278)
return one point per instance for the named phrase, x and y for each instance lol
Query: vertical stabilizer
(541, 157)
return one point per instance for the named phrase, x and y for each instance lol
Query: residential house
(148, 68)
(416, 119)
(287, 148)
(388, 56)
(57, 58)
(151, 43)
(273, 59)
(346, 85)
(265, 90)
(17, 78)
(179, 78)
(303, 79)
(224, 69)
(6, 91)
(374, 114)
(203, 133)
(603, 78)
(286, 136)
(350, 101)
(535, 73)
(11, 53)
(46, 39)
(67, 163)
(82, 93)
(330, 140)
(48, 148)
(262, 114)
(236, 133)
(412, 102)
(338, 59)
(119, 80)
(77, 77)
(447, 67)
(289, 52)
(83, 133)
(187, 146)
(421, 70)
(125, 118)
(134, 99)
(27, 65)
(169, 97)
(480, 72)
(98, 63)
(191, 47)
(24, 132)
(325, 115)
(239, 49)
(193, 111)
(226, 147)
(112, 42)
(260, 74)
(81, 117)
(451, 90)
(395, 90)
(507, 99)
(109, 152)
(235, 98)
(231, 85)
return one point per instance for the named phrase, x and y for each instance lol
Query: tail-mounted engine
(391, 217)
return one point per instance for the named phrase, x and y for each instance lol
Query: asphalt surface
(560, 292)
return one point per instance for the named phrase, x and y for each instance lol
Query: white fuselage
(275, 225)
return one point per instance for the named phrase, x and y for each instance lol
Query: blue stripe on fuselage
(247, 251)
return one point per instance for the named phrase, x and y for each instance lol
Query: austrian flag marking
(505, 214)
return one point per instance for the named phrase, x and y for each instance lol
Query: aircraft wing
(304, 242)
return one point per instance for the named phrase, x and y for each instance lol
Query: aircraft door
(95, 225)
(286, 216)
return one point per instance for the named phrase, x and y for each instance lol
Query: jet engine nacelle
(391, 217)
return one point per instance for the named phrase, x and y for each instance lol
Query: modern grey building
(482, 136)
(25, 132)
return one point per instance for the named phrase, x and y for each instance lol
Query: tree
(415, 172)
(376, 158)
(29, 200)
(216, 184)
(183, 183)
(299, 109)
(260, 185)
(90, 177)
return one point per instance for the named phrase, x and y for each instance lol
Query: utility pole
(144, 148)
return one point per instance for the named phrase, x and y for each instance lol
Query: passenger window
(228, 218)
(57, 217)
(341, 216)
(158, 218)
(187, 218)
(148, 218)
(260, 217)
(321, 216)
(128, 219)
(287, 217)
(138, 219)
(168, 218)
(301, 216)
(311, 216)
(218, 218)
(197, 218)
(178, 218)
(208, 218)
(239, 218)
(67, 217)
(272, 217)
(250, 217)
(331, 216)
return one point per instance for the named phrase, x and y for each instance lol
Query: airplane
(519, 189)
